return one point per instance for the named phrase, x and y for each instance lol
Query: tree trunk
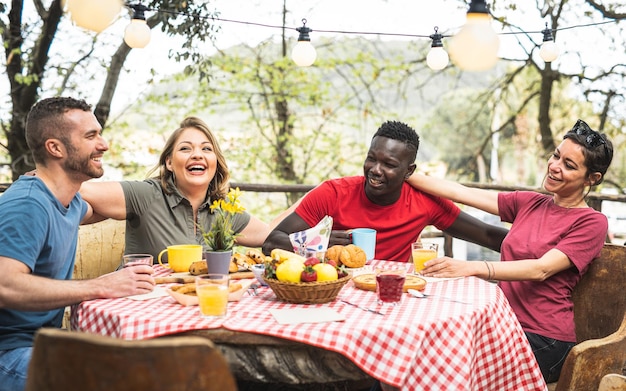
(103, 108)
(284, 158)
(548, 77)
(25, 89)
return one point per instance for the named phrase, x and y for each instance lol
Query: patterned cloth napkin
(314, 239)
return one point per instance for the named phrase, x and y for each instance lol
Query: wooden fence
(594, 199)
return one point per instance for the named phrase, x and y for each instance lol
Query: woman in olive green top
(168, 208)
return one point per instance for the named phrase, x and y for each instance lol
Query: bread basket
(307, 292)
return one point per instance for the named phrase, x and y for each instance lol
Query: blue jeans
(550, 354)
(13, 368)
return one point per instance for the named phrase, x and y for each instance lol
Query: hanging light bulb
(137, 33)
(475, 46)
(437, 57)
(549, 49)
(95, 15)
(303, 54)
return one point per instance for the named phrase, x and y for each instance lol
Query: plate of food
(240, 268)
(185, 293)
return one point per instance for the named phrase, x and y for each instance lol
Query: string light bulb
(94, 15)
(303, 54)
(475, 46)
(137, 33)
(549, 49)
(437, 58)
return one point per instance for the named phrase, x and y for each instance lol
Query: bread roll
(352, 256)
(255, 255)
(333, 253)
(197, 268)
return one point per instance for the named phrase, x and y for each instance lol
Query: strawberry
(331, 262)
(309, 274)
(311, 261)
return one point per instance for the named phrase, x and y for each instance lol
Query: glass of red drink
(389, 283)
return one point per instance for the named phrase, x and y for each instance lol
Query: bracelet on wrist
(488, 270)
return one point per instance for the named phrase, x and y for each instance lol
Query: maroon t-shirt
(538, 225)
(397, 225)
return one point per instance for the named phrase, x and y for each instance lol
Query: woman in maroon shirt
(552, 240)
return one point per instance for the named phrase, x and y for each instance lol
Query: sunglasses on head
(592, 138)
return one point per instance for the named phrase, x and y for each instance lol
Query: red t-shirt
(397, 225)
(538, 225)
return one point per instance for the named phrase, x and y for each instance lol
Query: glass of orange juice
(422, 252)
(212, 291)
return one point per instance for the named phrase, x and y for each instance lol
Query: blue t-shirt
(42, 233)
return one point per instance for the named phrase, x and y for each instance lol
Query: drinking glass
(389, 284)
(136, 259)
(422, 252)
(212, 291)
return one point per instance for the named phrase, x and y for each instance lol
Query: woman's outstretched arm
(486, 200)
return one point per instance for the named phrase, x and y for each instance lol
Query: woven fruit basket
(307, 292)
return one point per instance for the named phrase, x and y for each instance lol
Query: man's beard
(75, 165)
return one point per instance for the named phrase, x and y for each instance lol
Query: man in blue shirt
(40, 216)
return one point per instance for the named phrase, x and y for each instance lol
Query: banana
(280, 255)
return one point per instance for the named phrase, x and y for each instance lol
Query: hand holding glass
(421, 253)
(212, 291)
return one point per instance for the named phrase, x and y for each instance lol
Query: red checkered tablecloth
(420, 344)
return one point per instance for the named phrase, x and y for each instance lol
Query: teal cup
(365, 238)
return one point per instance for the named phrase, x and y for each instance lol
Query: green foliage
(221, 236)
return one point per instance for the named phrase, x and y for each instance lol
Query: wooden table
(419, 344)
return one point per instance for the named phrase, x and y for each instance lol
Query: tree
(290, 125)
(31, 59)
(353, 87)
(529, 94)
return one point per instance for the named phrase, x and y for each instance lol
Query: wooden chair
(65, 360)
(599, 310)
(613, 382)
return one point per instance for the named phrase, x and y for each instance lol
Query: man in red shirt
(381, 199)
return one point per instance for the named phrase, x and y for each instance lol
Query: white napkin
(314, 239)
(306, 315)
(158, 291)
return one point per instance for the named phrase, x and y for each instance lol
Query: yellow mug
(181, 256)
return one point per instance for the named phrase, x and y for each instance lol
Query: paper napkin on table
(306, 315)
(158, 291)
(313, 239)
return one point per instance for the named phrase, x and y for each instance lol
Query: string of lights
(473, 48)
